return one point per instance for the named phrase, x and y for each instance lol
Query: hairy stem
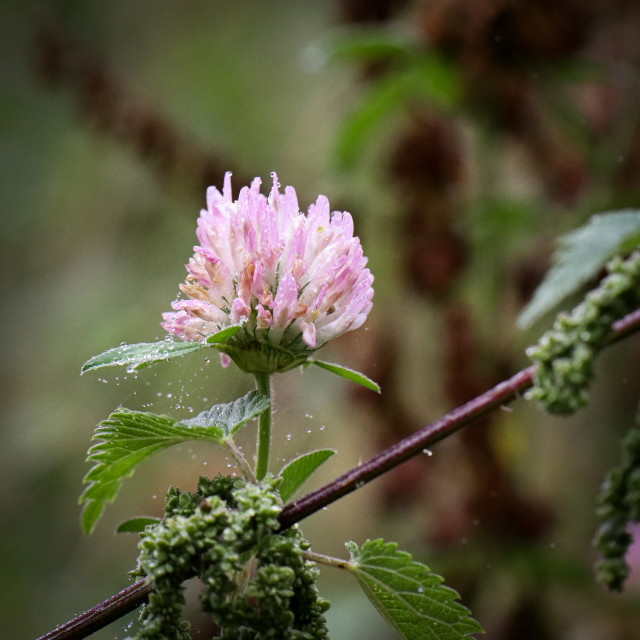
(330, 561)
(263, 382)
(136, 594)
(241, 461)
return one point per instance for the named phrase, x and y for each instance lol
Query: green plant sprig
(257, 583)
(564, 357)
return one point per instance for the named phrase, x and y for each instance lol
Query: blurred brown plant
(113, 109)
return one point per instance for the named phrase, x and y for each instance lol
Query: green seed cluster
(565, 355)
(619, 506)
(257, 583)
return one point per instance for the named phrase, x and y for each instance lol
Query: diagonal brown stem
(136, 594)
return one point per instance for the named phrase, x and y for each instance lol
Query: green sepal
(408, 594)
(349, 374)
(298, 470)
(224, 334)
(136, 525)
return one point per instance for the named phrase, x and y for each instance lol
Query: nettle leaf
(298, 470)
(134, 356)
(128, 437)
(231, 416)
(580, 255)
(349, 374)
(136, 525)
(408, 594)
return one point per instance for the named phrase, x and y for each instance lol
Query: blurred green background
(462, 135)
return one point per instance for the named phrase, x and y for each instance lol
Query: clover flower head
(292, 281)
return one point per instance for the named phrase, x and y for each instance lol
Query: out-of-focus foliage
(581, 254)
(417, 74)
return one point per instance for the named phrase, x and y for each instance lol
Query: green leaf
(580, 255)
(408, 595)
(297, 471)
(136, 525)
(90, 514)
(362, 43)
(128, 437)
(141, 354)
(349, 374)
(427, 77)
(231, 416)
(224, 334)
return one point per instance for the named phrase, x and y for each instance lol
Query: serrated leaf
(408, 594)
(128, 437)
(579, 257)
(297, 471)
(136, 525)
(231, 416)
(90, 514)
(349, 374)
(134, 356)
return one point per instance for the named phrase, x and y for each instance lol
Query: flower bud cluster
(565, 355)
(257, 583)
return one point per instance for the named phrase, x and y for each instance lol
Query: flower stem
(263, 382)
